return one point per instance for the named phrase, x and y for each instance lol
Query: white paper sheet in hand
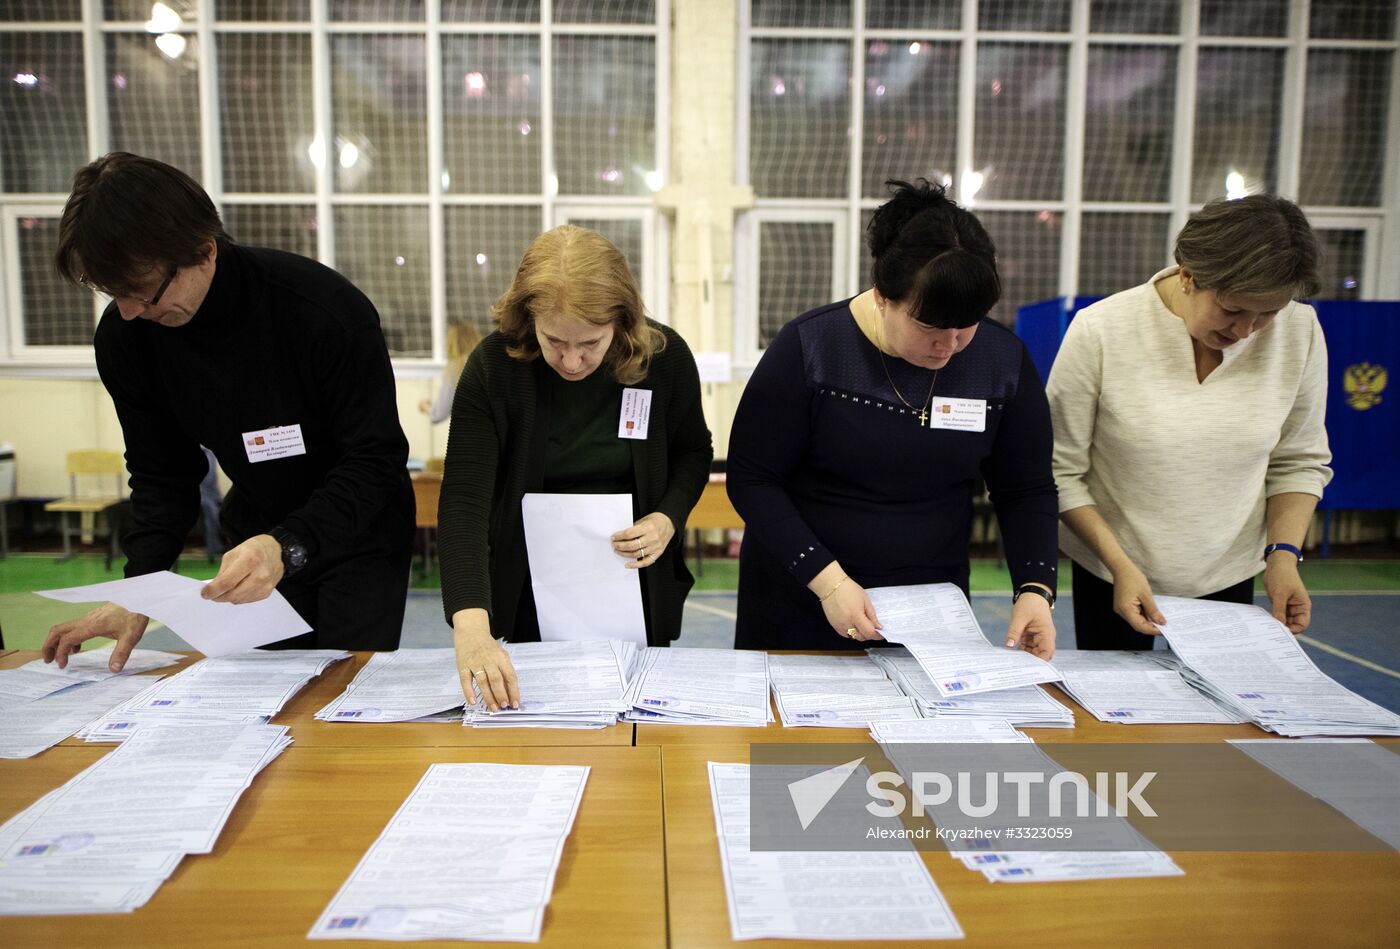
(215, 629)
(582, 589)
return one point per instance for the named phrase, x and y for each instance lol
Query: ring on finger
(851, 633)
(478, 672)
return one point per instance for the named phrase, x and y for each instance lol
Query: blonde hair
(1252, 246)
(461, 340)
(578, 273)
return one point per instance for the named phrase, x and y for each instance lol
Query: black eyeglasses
(160, 290)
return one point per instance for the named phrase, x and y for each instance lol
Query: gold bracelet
(843, 579)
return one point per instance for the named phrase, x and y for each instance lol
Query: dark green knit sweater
(495, 455)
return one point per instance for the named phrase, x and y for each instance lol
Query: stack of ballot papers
(1027, 706)
(38, 678)
(1247, 660)
(242, 688)
(835, 692)
(105, 841)
(866, 896)
(565, 684)
(681, 686)
(1138, 688)
(948, 731)
(936, 624)
(27, 729)
(471, 854)
(404, 686)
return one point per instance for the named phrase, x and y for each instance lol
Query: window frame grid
(1381, 222)
(16, 355)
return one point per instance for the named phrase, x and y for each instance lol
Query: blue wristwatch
(1288, 547)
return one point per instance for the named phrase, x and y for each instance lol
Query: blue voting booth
(1363, 408)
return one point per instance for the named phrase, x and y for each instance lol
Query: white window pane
(1128, 123)
(50, 11)
(915, 14)
(153, 98)
(491, 114)
(139, 11)
(1134, 16)
(626, 236)
(604, 114)
(604, 11)
(384, 251)
(490, 11)
(1117, 251)
(380, 113)
(484, 247)
(266, 106)
(911, 122)
(799, 118)
(1018, 144)
(377, 11)
(1238, 97)
(289, 227)
(1352, 19)
(1344, 136)
(794, 272)
(274, 11)
(1028, 258)
(55, 312)
(1244, 17)
(43, 129)
(1343, 259)
(801, 13)
(1044, 16)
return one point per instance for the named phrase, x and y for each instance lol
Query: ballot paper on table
(172, 791)
(948, 731)
(1248, 660)
(936, 624)
(857, 895)
(564, 685)
(1028, 706)
(691, 686)
(471, 854)
(835, 692)
(38, 678)
(404, 686)
(582, 589)
(215, 629)
(32, 727)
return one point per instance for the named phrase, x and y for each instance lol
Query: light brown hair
(573, 272)
(1257, 245)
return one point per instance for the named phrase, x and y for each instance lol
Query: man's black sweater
(279, 340)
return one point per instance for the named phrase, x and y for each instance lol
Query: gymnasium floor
(1353, 636)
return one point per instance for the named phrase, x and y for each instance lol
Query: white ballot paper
(403, 686)
(835, 692)
(1248, 660)
(26, 730)
(106, 840)
(865, 896)
(582, 589)
(564, 685)
(690, 686)
(471, 854)
(1153, 696)
(936, 624)
(215, 629)
(1028, 706)
(36, 679)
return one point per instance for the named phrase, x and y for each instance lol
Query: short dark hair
(128, 214)
(933, 254)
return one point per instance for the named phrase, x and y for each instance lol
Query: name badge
(270, 443)
(960, 415)
(636, 413)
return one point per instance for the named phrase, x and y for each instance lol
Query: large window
(415, 145)
(1082, 132)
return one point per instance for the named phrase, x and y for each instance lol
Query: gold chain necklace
(880, 348)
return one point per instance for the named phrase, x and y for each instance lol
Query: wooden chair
(713, 510)
(426, 490)
(89, 471)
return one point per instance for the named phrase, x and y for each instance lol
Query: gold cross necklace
(880, 348)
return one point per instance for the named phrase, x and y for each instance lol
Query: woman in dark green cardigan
(537, 409)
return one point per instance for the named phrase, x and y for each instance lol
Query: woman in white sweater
(1190, 450)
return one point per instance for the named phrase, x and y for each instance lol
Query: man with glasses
(277, 364)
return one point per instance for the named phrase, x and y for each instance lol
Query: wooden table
(1234, 899)
(308, 818)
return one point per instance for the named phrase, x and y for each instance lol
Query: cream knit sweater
(1181, 469)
